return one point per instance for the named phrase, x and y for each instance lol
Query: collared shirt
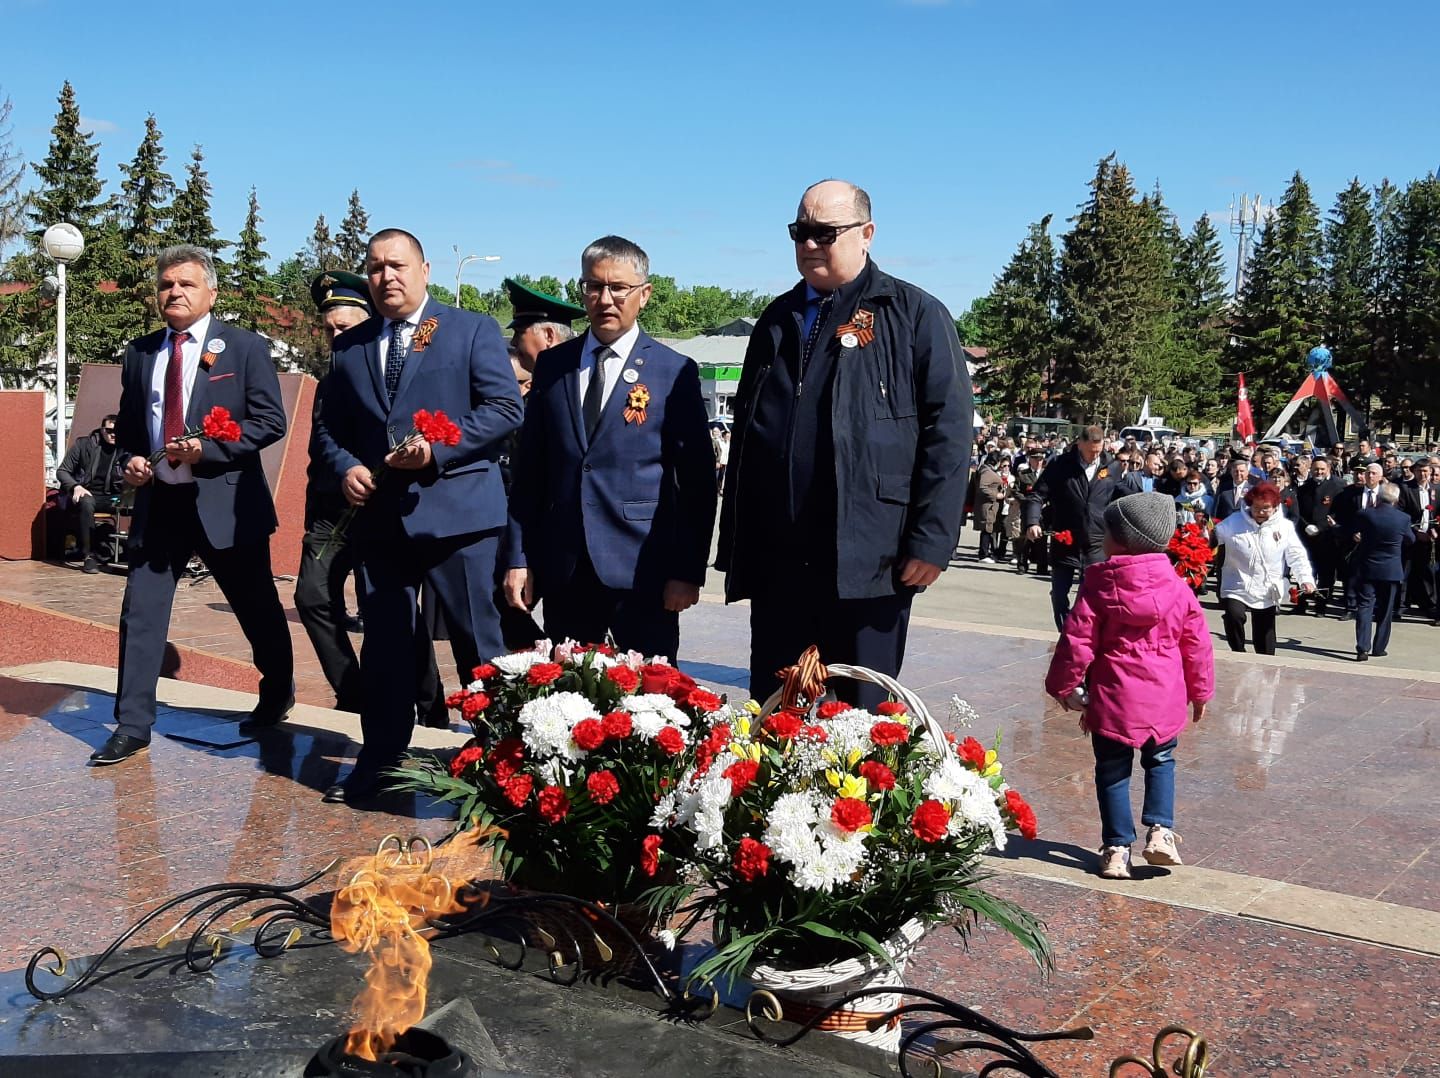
(1091, 469)
(408, 325)
(190, 352)
(621, 347)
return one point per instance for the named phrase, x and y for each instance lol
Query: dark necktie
(172, 416)
(1369, 499)
(595, 391)
(812, 334)
(395, 359)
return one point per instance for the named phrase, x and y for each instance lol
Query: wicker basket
(802, 993)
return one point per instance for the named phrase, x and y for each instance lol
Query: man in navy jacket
(851, 453)
(1381, 533)
(613, 499)
(438, 513)
(205, 496)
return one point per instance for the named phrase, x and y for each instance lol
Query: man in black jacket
(849, 457)
(1076, 487)
(1316, 498)
(90, 481)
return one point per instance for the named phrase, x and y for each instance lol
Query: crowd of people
(1349, 530)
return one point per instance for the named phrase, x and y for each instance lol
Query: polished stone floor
(1324, 778)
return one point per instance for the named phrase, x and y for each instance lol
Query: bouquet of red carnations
(1191, 554)
(217, 426)
(574, 746)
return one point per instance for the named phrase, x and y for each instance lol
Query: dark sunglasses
(107, 430)
(823, 235)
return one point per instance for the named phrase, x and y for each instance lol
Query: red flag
(1244, 418)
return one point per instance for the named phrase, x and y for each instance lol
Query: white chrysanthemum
(701, 806)
(546, 723)
(652, 711)
(519, 663)
(976, 810)
(951, 780)
(664, 809)
(793, 809)
(666, 938)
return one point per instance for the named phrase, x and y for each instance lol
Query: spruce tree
(1350, 313)
(353, 235)
(12, 195)
(1201, 323)
(145, 195)
(1282, 310)
(320, 253)
(1412, 399)
(1019, 324)
(190, 220)
(245, 302)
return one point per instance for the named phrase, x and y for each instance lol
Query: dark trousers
(1422, 584)
(992, 544)
(518, 628)
(320, 602)
(1027, 550)
(584, 609)
(85, 509)
(1374, 610)
(459, 574)
(1062, 579)
(173, 534)
(1262, 629)
(1321, 549)
(793, 613)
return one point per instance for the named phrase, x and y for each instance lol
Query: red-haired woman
(1260, 543)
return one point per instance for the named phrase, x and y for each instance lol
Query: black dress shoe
(92, 564)
(1361, 655)
(334, 795)
(1379, 654)
(358, 786)
(438, 721)
(119, 747)
(1349, 615)
(266, 717)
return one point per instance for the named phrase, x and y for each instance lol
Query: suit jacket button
(587, 467)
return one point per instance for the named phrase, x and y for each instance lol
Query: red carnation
(752, 860)
(702, 701)
(505, 758)
(219, 427)
(589, 734)
(473, 704)
(484, 672)
(892, 707)
(681, 686)
(1023, 814)
(623, 678)
(889, 733)
(930, 821)
(650, 855)
(849, 813)
(818, 733)
(617, 725)
(456, 698)
(656, 677)
(830, 708)
(603, 787)
(544, 674)
(436, 427)
(1064, 538)
(784, 724)
(671, 740)
(741, 774)
(973, 753)
(877, 775)
(471, 754)
(554, 805)
(517, 788)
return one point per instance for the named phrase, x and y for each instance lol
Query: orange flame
(384, 910)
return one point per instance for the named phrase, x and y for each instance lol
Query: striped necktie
(395, 359)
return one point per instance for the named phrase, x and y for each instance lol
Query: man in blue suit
(1381, 533)
(206, 497)
(613, 499)
(437, 514)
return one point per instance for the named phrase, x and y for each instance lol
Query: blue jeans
(1062, 579)
(1113, 760)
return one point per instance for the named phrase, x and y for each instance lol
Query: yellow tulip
(743, 725)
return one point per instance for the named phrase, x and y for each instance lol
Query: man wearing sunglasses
(849, 455)
(90, 482)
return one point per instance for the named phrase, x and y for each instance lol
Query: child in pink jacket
(1134, 653)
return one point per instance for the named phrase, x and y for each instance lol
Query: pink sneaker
(1160, 843)
(1115, 862)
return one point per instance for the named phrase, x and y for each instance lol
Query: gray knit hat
(1141, 523)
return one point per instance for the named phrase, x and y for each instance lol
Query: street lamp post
(64, 244)
(461, 263)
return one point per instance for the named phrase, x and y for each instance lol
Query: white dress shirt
(621, 350)
(409, 324)
(190, 351)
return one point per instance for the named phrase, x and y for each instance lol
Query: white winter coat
(1256, 556)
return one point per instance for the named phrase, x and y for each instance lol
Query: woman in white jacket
(1260, 543)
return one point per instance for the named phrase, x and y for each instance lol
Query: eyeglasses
(107, 430)
(618, 292)
(823, 235)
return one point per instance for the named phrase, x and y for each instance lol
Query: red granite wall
(22, 480)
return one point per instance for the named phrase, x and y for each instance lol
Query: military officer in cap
(343, 300)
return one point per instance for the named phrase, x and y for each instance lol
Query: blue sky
(528, 130)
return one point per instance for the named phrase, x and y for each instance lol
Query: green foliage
(145, 194)
(683, 312)
(244, 300)
(1201, 324)
(440, 294)
(1350, 250)
(190, 220)
(320, 252)
(12, 196)
(1409, 306)
(1018, 322)
(354, 232)
(974, 327)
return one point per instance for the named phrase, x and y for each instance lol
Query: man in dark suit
(850, 454)
(1075, 489)
(206, 497)
(1423, 496)
(1361, 496)
(613, 499)
(1381, 534)
(1316, 500)
(1232, 493)
(438, 513)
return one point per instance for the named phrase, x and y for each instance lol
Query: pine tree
(12, 195)
(1282, 310)
(190, 220)
(70, 183)
(1019, 326)
(245, 302)
(1201, 323)
(1412, 399)
(145, 193)
(1350, 313)
(320, 253)
(354, 233)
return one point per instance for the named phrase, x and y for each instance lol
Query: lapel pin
(216, 345)
(849, 340)
(639, 362)
(631, 375)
